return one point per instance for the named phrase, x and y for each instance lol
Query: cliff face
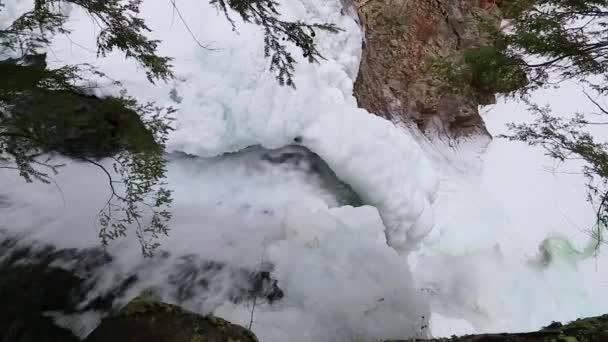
(401, 35)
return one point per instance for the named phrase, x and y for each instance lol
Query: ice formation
(342, 265)
(224, 108)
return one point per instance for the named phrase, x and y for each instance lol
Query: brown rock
(401, 35)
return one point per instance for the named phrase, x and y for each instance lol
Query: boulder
(146, 319)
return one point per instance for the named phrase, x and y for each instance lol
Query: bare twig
(181, 18)
(595, 102)
(257, 287)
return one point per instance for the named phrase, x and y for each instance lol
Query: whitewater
(370, 230)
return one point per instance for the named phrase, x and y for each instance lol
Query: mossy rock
(78, 125)
(68, 121)
(146, 319)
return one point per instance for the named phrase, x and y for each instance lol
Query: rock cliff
(401, 36)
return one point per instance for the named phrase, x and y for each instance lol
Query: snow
(450, 231)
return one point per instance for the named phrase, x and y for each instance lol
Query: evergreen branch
(265, 13)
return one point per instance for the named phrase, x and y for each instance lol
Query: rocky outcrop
(145, 319)
(66, 120)
(401, 36)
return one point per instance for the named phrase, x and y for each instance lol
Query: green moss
(217, 321)
(493, 71)
(480, 72)
(75, 125)
(146, 319)
(140, 305)
(148, 304)
(197, 338)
